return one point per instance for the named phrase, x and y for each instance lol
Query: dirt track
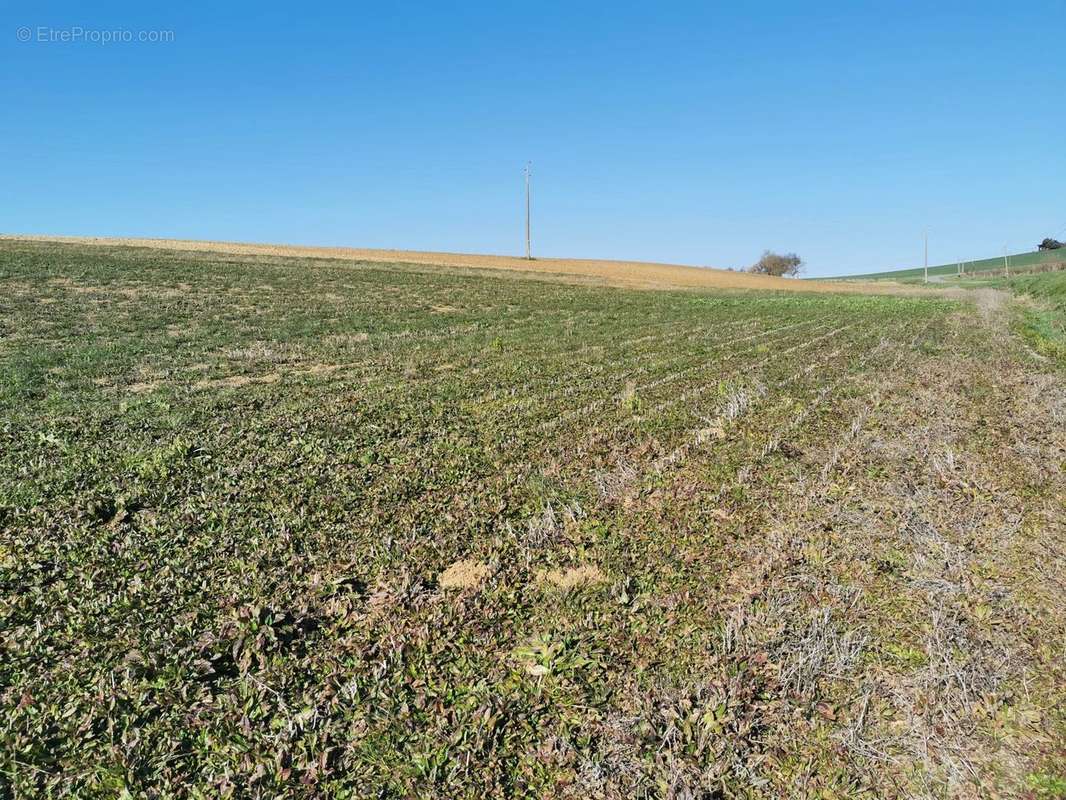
(637, 274)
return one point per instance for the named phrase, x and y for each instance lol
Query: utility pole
(529, 247)
(927, 256)
(1006, 262)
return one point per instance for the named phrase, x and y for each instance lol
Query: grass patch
(1041, 320)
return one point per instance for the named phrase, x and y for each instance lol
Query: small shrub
(777, 265)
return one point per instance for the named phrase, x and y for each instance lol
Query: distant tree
(1050, 244)
(777, 264)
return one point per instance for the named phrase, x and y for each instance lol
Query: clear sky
(697, 133)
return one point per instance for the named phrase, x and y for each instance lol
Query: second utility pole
(529, 248)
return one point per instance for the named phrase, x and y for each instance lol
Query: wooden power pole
(927, 256)
(529, 246)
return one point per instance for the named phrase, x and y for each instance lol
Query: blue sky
(697, 133)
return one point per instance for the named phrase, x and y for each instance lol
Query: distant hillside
(636, 274)
(1017, 260)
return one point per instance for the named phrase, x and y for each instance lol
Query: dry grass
(572, 578)
(632, 274)
(883, 629)
(464, 574)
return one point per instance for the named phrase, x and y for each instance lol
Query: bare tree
(776, 264)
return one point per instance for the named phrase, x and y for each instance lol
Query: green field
(1018, 261)
(279, 527)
